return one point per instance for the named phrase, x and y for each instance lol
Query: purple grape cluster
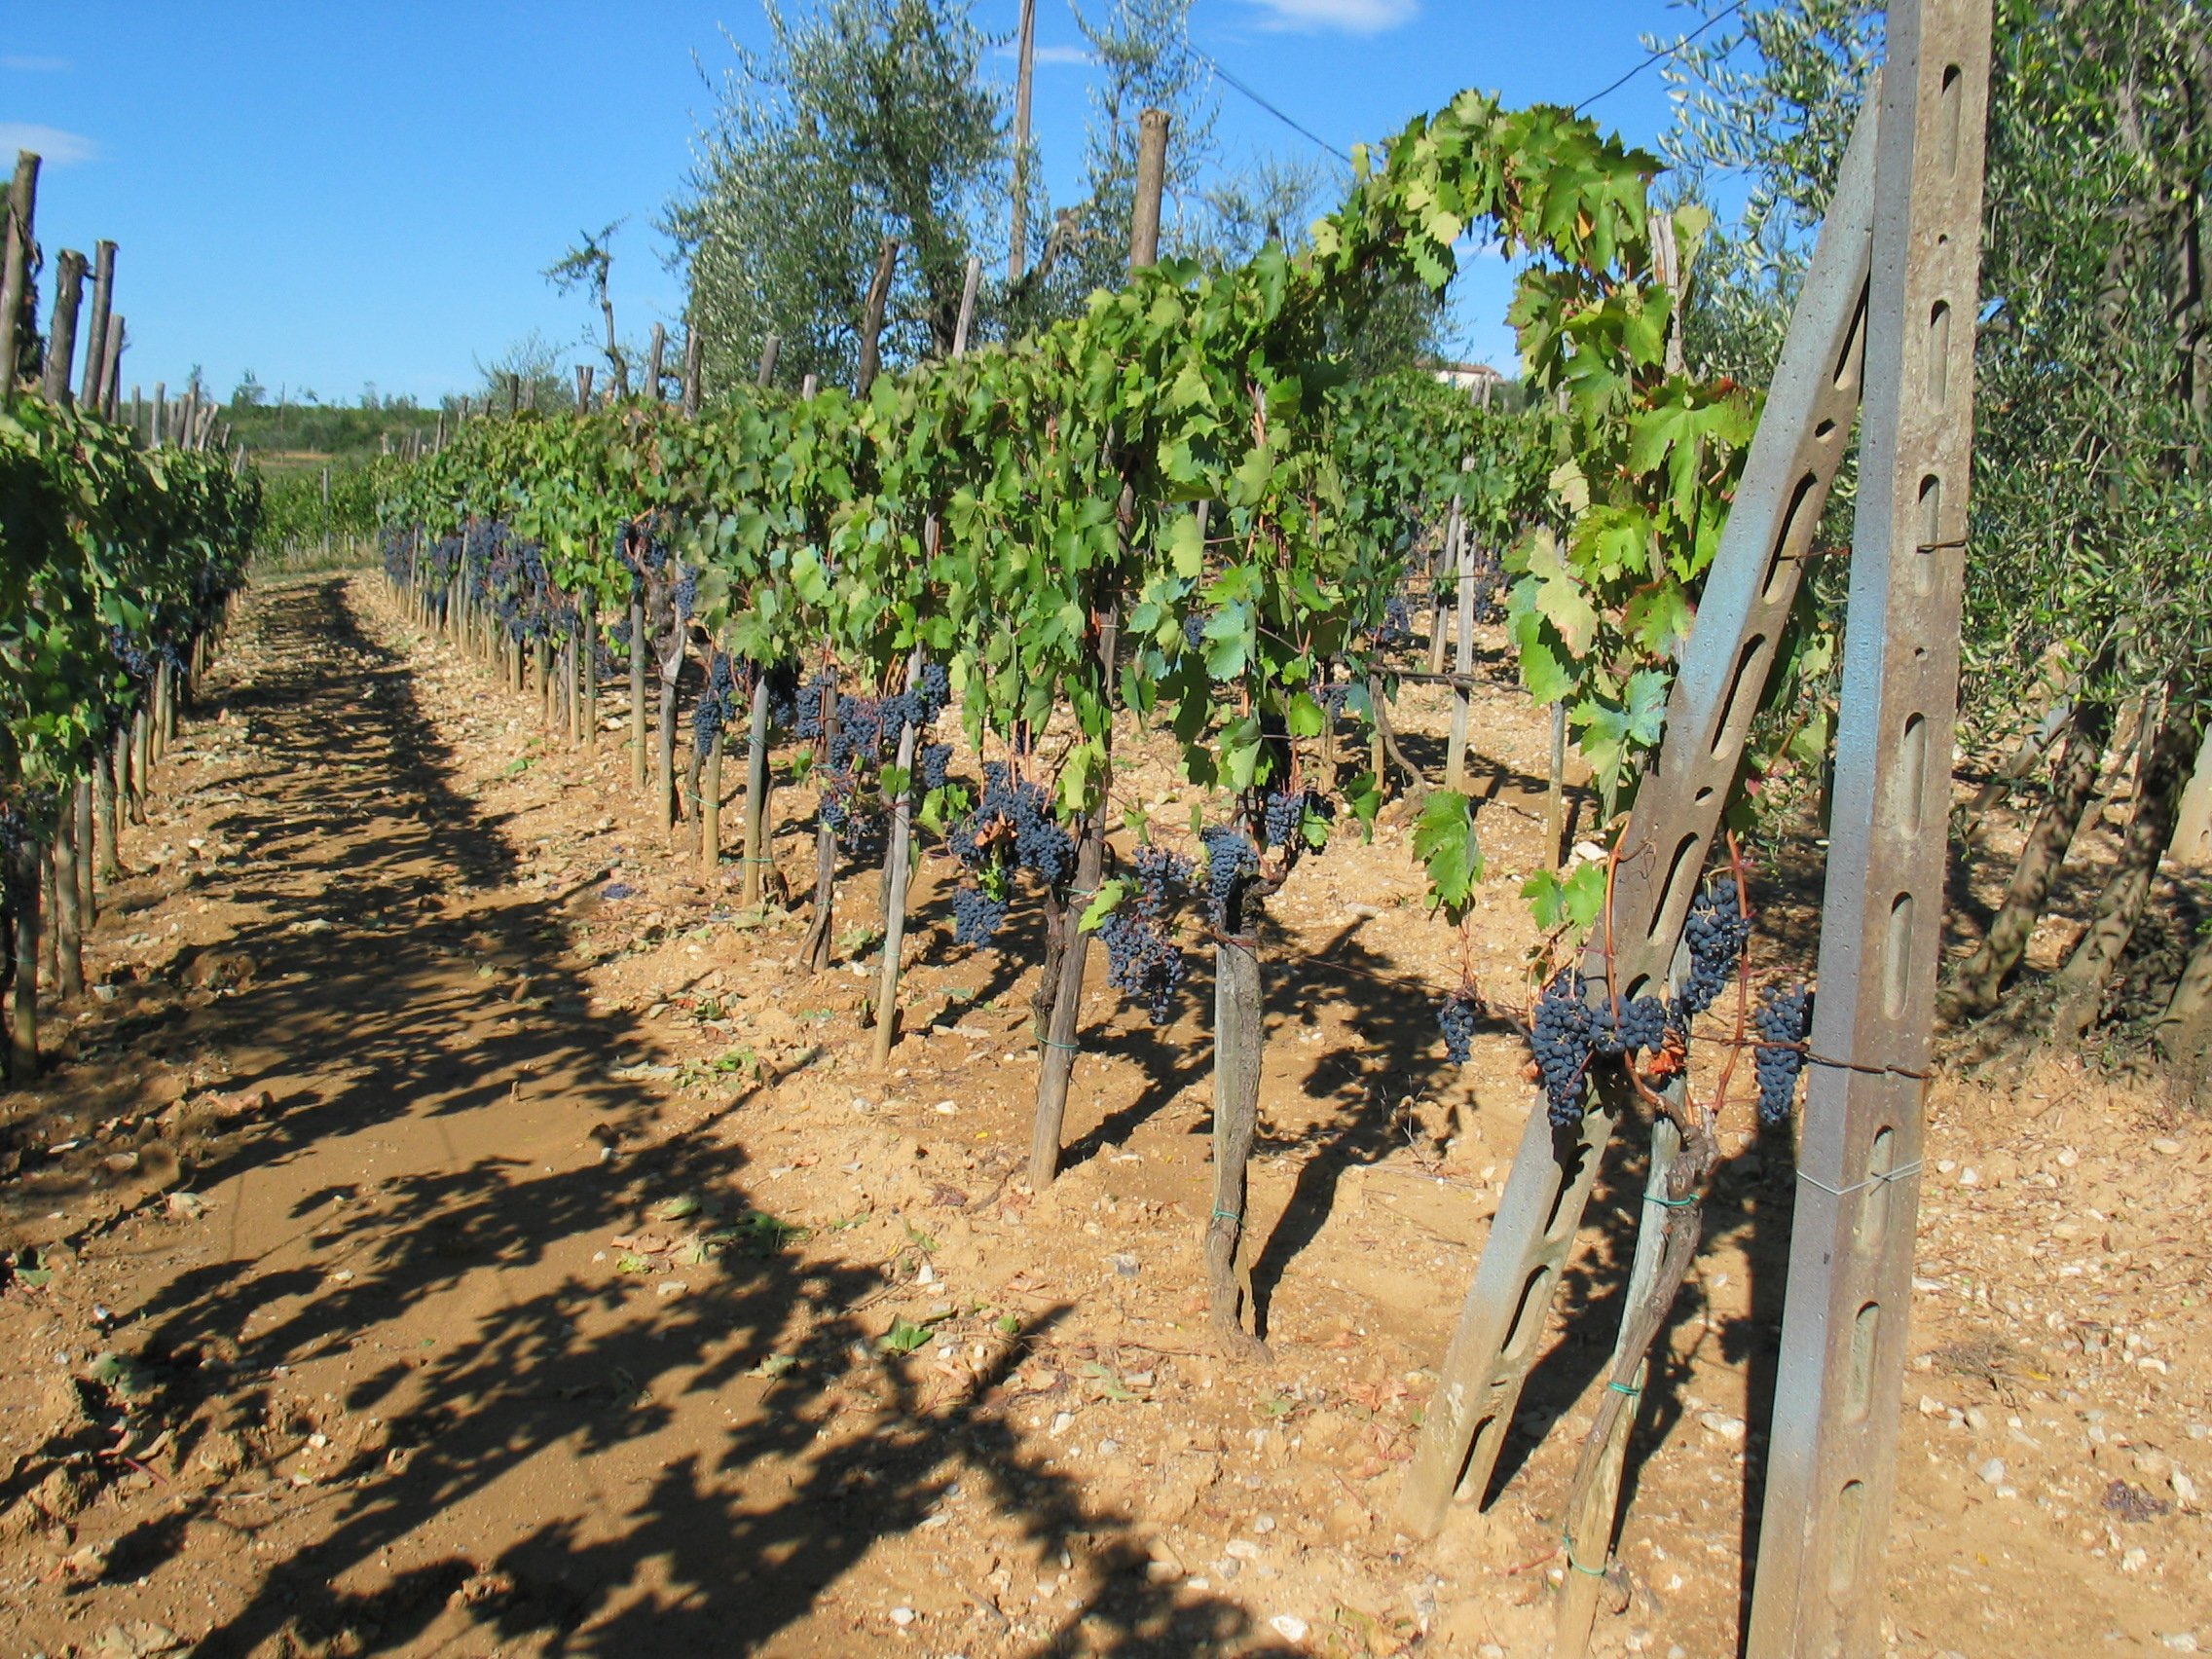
(717, 703)
(1716, 932)
(1141, 958)
(1560, 1036)
(1783, 1017)
(1456, 1019)
(1010, 828)
(1231, 859)
(1283, 815)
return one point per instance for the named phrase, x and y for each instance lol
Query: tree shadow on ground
(781, 1478)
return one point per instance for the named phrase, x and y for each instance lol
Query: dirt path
(464, 1233)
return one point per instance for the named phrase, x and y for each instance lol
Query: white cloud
(1353, 16)
(58, 148)
(31, 65)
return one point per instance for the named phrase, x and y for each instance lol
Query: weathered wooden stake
(17, 298)
(61, 327)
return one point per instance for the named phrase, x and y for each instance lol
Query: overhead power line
(1657, 56)
(1291, 122)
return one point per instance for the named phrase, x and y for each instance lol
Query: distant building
(1479, 380)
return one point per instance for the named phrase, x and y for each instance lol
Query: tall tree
(864, 119)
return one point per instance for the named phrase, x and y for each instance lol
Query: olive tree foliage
(863, 118)
(2092, 358)
(2089, 559)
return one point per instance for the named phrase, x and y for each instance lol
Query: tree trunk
(2166, 758)
(1981, 982)
(2184, 1032)
(757, 857)
(1238, 1035)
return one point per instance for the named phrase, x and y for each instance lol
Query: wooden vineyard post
(87, 844)
(1055, 1065)
(584, 387)
(1463, 650)
(587, 651)
(1833, 1461)
(1446, 557)
(15, 298)
(766, 376)
(694, 367)
(25, 877)
(111, 394)
(61, 327)
(68, 918)
(657, 363)
(711, 814)
(899, 863)
(636, 694)
(1747, 597)
(757, 857)
(94, 387)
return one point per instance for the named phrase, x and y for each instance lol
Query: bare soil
(458, 1229)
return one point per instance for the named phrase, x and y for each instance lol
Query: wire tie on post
(1070, 1048)
(1887, 1175)
(1669, 1203)
(1567, 1542)
(1631, 1389)
(1221, 1214)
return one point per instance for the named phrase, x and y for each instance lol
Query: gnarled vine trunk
(1981, 981)
(2166, 757)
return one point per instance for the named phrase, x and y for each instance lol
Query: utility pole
(1017, 253)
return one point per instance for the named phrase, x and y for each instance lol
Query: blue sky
(332, 195)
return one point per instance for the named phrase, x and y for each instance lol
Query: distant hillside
(303, 436)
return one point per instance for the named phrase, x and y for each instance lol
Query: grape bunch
(716, 703)
(1560, 1036)
(932, 763)
(1140, 955)
(1284, 814)
(1457, 1018)
(1229, 859)
(684, 595)
(976, 915)
(813, 698)
(1639, 1027)
(1010, 828)
(1716, 932)
(1195, 631)
(1783, 1017)
(933, 690)
(1396, 629)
